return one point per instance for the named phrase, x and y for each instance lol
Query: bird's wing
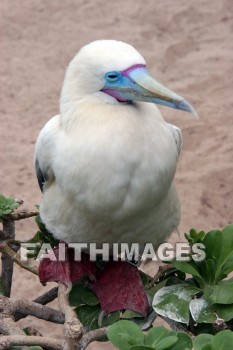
(41, 176)
(43, 152)
(176, 133)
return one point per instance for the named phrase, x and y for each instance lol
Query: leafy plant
(126, 335)
(221, 341)
(207, 295)
(7, 206)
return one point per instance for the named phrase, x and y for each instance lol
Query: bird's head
(115, 72)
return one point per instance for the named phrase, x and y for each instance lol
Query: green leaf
(125, 334)
(199, 237)
(8, 202)
(190, 268)
(209, 271)
(110, 319)
(167, 342)
(227, 267)
(186, 267)
(160, 338)
(88, 316)
(202, 311)
(224, 312)
(154, 335)
(184, 342)
(222, 340)
(173, 301)
(128, 314)
(202, 340)
(227, 249)
(221, 293)
(80, 295)
(193, 233)
(7, 205)
(194, 236)
(213, 242)
(37, 238)
(207, 347)
(7, 211)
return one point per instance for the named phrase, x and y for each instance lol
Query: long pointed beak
(138, 85)
(153, 91)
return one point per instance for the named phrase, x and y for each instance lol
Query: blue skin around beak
(136, 84)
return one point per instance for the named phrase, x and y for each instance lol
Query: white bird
(106, 163)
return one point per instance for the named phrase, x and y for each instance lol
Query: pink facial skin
(117, 95)
(128, 70)
(114, 94)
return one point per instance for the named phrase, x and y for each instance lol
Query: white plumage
(108, 166)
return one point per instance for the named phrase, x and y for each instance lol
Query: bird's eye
(112, 76)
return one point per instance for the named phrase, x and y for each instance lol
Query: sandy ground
(188, 46)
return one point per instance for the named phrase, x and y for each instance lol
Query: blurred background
(188, 46)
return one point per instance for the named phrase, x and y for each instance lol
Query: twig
(47, 297)
(8, 325)
(73, 329)
(23, 215)
(219, 325)
(97, 334)
(7, 322)
(162, 269)
(22, 340)
(42, 299)
(5, 249)
(2, 237)
(14, 335)
(26, 307)
(20, 201)
(7, 263)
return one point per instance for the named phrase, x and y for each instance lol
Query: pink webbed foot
(66, 270)
(117, 284)
(119, 287)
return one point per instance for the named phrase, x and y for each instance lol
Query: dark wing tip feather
(41, 177)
